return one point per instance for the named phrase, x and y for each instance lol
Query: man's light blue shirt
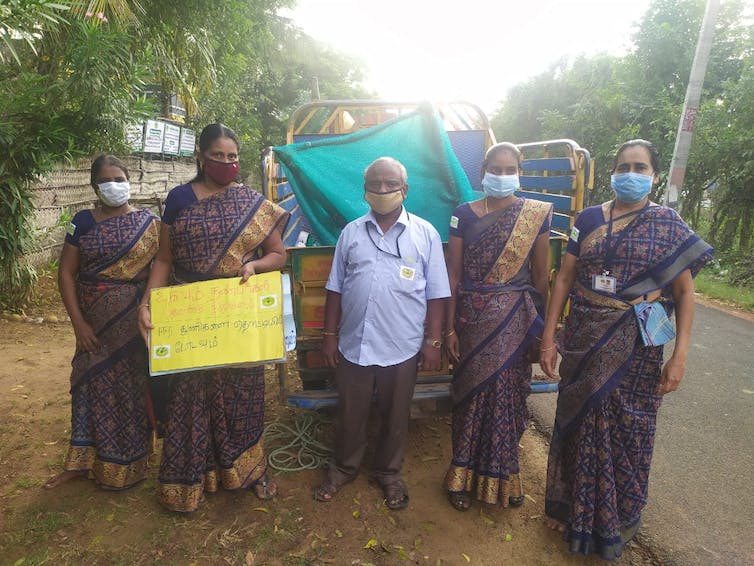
(385, 281)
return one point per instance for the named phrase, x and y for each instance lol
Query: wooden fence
(67, 190)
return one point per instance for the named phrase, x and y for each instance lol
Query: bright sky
(472, 50)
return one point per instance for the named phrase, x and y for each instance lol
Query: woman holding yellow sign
(212, 228)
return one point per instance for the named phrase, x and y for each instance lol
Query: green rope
(298, 447)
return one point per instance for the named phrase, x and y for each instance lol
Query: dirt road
(80, 524)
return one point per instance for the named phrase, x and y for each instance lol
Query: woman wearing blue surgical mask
(103, 267)
(624, 259)
(497, 265)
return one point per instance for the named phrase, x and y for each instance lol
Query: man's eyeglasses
(375, 186)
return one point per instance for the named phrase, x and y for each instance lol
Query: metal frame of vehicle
(557, 171)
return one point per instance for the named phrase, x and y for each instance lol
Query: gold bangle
(446, 334)
(545, 349)
(143, 306)
(326, 333)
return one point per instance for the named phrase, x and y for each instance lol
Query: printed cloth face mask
(384, 203)
(500, 186)
(631, 187)
(221, 172)
(114, 193)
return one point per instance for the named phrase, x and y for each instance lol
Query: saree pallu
(215, 418)
(497, 321)
(110, 431)
(601, 450)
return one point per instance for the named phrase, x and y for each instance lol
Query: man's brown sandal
(328, 488)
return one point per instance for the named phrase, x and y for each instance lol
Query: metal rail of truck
(557, 171)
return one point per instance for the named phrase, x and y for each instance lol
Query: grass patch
(24, 483)
(34, 559)
(712, 286)
(34, 526)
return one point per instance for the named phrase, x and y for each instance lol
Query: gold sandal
(265, 489)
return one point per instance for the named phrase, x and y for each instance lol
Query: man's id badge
(604, 283)
(407, 272)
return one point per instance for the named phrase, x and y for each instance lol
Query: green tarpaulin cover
(327, 175)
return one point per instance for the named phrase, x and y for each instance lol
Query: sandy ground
(77, 523)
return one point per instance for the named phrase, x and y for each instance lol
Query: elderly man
(388, 276)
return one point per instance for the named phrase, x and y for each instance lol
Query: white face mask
(114, 193)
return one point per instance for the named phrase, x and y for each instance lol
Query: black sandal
(516, 501)
(328, 488)
(396, 495)
(460, 500)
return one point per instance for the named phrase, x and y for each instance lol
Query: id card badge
(604, 283)
(407, 272)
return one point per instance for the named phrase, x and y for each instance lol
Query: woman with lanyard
(629, 263)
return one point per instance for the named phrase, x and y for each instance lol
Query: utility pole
(691, 105)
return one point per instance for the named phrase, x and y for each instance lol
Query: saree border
(565, 425)
(243, 473)
(138, 256)
(93, 274)
(522, 237)
(111, 475)
(534, 329)
(263, 220)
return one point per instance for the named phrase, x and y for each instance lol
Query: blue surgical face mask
(500, 186)
(631, 187)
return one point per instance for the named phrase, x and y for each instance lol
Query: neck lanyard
(397, 238)
(610, 250)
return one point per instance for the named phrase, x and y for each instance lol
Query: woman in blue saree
(497, 265)
(625, 252)
(103, 266)
(213, 228)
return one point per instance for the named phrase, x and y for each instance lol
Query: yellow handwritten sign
(216, 323)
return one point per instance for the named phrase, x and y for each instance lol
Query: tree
(76, 74)
(24, 22)
(602, 101)
(260, 83)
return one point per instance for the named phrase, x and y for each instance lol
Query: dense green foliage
(602, 101)
(75, 75)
